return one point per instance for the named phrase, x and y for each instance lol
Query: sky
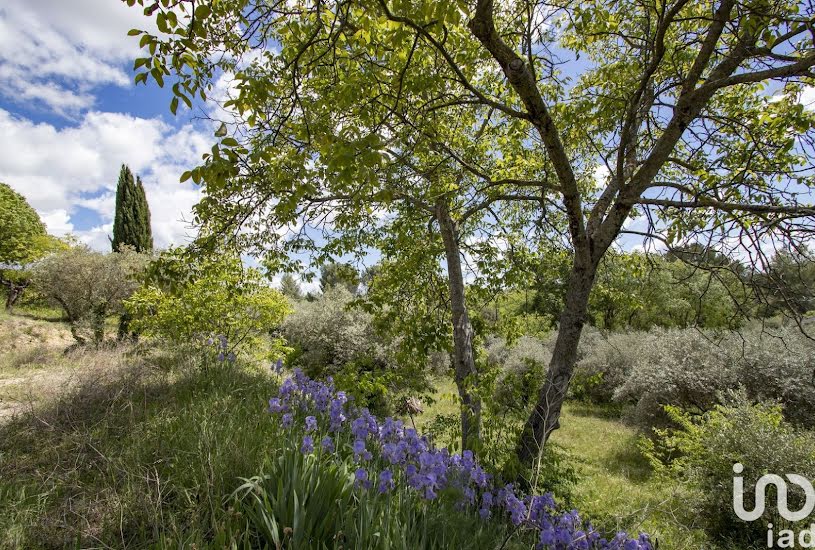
(70, 116)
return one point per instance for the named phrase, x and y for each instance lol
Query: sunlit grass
(616, 489)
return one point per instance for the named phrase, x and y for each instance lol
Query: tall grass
(147, 455)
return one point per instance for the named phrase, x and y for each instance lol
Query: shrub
(88, 286)
(691, 369)
(212, 301)
(676, 367)
(329, 333)
(703, 450)
(605, 366)
(332, 337)
(518, 370)
(779, 365)
(522, 366)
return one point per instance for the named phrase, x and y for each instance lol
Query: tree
(131, 224)
(198, 299)
(23, 239)
(336, 274)
(290, 287)
(640, 291)
(20, 226)
(788, 283)
(669, 119)
(88, 286)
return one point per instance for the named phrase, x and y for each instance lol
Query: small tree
(197, 300)
(131, 224)
(335, 274)
(22, 240)
(290, 288)
(88, 286)
(788, 284)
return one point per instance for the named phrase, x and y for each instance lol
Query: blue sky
(70, 115)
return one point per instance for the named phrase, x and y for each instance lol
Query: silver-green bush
(691, 369)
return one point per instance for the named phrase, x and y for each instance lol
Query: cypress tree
(131, 226)
(131, 223)
(146, 233)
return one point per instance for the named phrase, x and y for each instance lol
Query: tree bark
(98, 321)
(545, 417)
(14, 292)
(80, 340)
(124, 332)
(463, 356)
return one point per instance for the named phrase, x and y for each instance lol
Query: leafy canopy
(22, 233)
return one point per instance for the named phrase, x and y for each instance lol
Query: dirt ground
(33, 362)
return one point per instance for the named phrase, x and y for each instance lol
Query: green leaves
(20, 228)
(202, 11)
(188, 299)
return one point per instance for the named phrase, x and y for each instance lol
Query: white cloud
(97, 237)
(53, 52)
(60, 169)
(57, 221)
(56, 54)
(808, 97)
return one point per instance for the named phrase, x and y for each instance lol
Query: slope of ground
(92, 436)
(33, 363)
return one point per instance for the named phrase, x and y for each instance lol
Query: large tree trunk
(463, 356)
(545, 417)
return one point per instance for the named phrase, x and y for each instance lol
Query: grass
(141, 452)
(139, 447)
(616, 487)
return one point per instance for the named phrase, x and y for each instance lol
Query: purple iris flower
(311, 423)
(308, 445)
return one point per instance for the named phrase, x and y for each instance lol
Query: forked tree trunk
(14, 293)
(463, 356)
(545, 417)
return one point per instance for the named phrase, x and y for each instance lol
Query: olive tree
(88, 286)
